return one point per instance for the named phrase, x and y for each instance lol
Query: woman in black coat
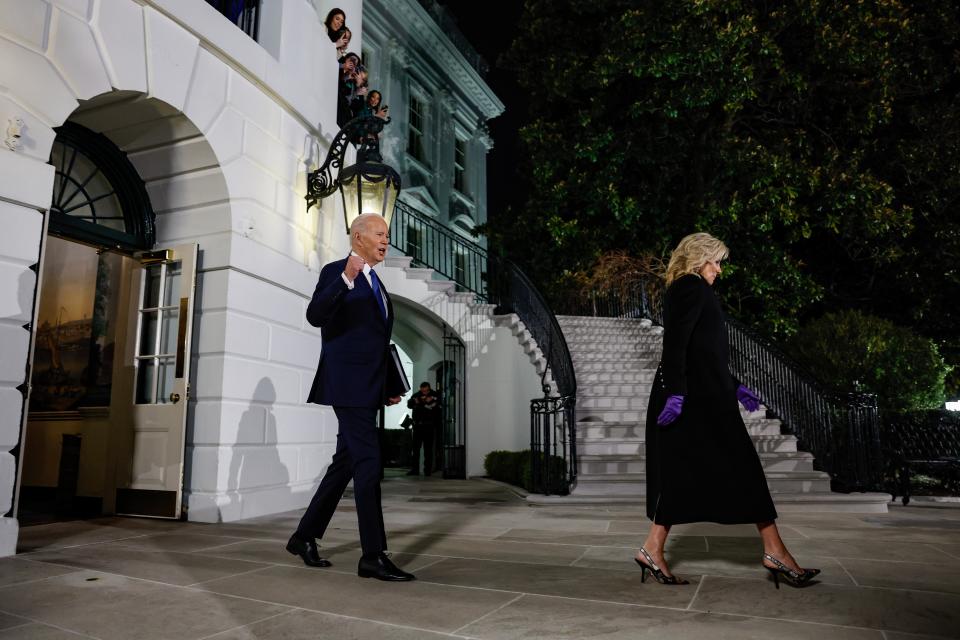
(701, 462)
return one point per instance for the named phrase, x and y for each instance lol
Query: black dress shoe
(307, 550)
(381, 568)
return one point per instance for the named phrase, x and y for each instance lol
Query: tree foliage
(820, 140)
(850, 349)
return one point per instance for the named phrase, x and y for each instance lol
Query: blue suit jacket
(356, 338)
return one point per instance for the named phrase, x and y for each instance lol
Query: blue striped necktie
(375, 285)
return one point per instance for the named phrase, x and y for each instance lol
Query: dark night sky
(491, 26)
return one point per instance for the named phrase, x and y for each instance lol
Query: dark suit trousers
(357, 457)
(422, 436)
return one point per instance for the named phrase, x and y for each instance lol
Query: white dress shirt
(366, 273)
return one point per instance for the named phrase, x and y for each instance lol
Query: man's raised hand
(353, 267)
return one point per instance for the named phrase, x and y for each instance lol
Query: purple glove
(671, 411)
(749, 400)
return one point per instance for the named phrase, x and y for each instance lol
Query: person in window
(426, 418)
(348, 68)
(336, 23)
(358, 96)
(701, 462)
(342, 43)
(374, 106)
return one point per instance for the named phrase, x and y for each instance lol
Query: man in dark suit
(355, 316)
(426, 418)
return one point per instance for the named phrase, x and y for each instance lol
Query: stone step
(609, 415)
(622, 403)
(643, 376)
(588, 338)
(592, 431)
(602, 335)
(586, 357)
(588, 321)
(626, 347)
(596, 416)
(602, 460)
(399, 261)
(594, 389)
(813, 502)
(613, 366)
(778, 483)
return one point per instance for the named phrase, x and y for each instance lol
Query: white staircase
(472, 321)
(615, 361)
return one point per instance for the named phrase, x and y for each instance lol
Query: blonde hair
(692, 253)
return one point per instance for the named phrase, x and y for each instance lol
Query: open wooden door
(149, 406)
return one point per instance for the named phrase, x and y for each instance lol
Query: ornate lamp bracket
(362, 131)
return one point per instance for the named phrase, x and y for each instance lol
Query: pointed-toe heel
(643, 570)
(793, 578)
(657, 573)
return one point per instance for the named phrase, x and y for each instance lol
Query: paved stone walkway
(489, 566)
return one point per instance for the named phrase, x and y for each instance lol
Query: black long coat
(703, 467)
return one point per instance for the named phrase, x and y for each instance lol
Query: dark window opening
(243, 13)
(98, 196)
(415, 126)
(460, 165)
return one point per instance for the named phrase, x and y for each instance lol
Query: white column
(24, 192)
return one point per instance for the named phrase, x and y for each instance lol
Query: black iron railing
(433, 245)
(243, 13)
(925, 442)
(553, 445)
(499, 281)
(841, 430)
(638, 300)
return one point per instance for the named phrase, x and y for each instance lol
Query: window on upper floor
(243, 13)
(415, 125)
(460, 165)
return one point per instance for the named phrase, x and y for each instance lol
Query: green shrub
(556, 475)
(505, 466)
(850, 350)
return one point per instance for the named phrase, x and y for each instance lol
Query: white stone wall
(502, 381)
(223, 131)
(22, 178)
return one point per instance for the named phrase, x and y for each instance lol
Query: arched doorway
(105, 423)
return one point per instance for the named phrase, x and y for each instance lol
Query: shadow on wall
(255, 464)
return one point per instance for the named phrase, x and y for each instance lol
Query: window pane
(168, 334)
(148, 333)
(171, 291)
(145, 381)
(151, 287)
(166, 380)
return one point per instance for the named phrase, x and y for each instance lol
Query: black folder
(397, 383)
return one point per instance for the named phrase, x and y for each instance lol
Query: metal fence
(433, 245)
(553, 445)
(841, 430)
(500, 282)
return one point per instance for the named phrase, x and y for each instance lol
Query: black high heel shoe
(652, 567)
(793, 578)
